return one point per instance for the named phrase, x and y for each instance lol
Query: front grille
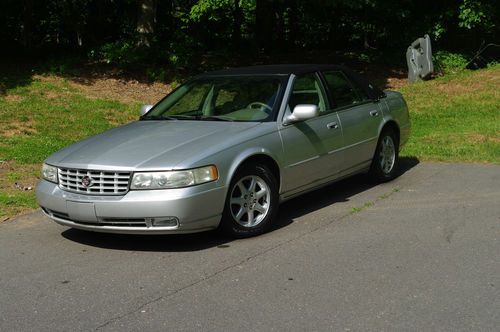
(120, 222)
(101, 182)
(123, 222)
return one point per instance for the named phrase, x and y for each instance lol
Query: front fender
(241, 157)
(227, 161)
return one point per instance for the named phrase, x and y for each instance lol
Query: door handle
(332, 125)
(374, 113)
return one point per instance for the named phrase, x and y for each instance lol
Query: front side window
(231, 98)
(344, 93)
(307, 90)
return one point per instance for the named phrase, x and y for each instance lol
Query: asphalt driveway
(419, 253)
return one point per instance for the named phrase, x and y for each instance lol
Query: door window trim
(321, 86)
(352, 84)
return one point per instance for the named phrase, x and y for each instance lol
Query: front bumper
(195, 209)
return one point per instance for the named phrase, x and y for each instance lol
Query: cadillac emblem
(87, 181)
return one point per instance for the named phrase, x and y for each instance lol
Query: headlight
(49, 173)
(174, 179)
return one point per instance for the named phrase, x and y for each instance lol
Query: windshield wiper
(214, 118)
(187, 117)
(157, 117)
(167, 117)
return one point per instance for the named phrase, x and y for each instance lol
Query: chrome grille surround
(102, 182)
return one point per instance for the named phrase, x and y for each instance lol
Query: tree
(131, 31)
(146, 22)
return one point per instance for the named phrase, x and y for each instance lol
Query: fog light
(165, 222)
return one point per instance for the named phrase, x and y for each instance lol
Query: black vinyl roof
(282, 69)
(371, 90)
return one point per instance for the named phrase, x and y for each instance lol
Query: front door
(311, 148)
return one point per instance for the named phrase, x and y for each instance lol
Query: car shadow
(159, 243)
(336, 192)
(289, 211)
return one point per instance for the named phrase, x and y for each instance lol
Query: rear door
(360, 118)
(310, 146)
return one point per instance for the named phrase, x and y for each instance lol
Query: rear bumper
(188, 210)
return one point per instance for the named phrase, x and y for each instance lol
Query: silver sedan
(224, 149)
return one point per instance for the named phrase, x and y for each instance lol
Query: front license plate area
(81, 211)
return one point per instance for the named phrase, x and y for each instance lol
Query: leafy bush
(177, 53)
(120, 53)
(156, 74)
(67, 65)
(447, 62)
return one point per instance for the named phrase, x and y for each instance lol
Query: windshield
(234, 98)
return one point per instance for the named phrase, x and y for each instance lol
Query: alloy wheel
(250, 201)
(387, 155)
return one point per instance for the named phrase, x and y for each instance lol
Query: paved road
(419, 253)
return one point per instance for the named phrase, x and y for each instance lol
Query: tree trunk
(292, 25)
(264, 21)
(146, 21)
(27, 23)
(79, 39)
(279, 25)
(237, 19)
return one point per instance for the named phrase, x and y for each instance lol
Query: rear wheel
(251, 203)
(385, 163)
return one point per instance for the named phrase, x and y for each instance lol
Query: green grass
(456, 117)
(38, 119)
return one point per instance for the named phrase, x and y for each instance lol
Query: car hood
(148, 145)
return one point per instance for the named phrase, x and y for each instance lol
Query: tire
(251, 202)
(385, 162)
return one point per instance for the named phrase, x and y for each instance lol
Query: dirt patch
(13, 98)
(52, 95)
(24, 175)
(116, 118)
(105, 86)
(470, 137)
(122, 90)
(482, 80)
(386, 77)
(479, 138)
(17, 186)
(4, 165)
(17, 128)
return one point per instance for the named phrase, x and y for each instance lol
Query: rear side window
(344, 92)
(307, 90)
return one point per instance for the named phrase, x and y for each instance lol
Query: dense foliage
(183, 32)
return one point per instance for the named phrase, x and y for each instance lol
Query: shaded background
(161, 36)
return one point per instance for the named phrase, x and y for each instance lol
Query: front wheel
(251, 203)
(385, 163)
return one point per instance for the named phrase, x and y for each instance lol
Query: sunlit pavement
(419, 253)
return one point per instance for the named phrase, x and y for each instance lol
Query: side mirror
(302, 112)
(145, 109)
